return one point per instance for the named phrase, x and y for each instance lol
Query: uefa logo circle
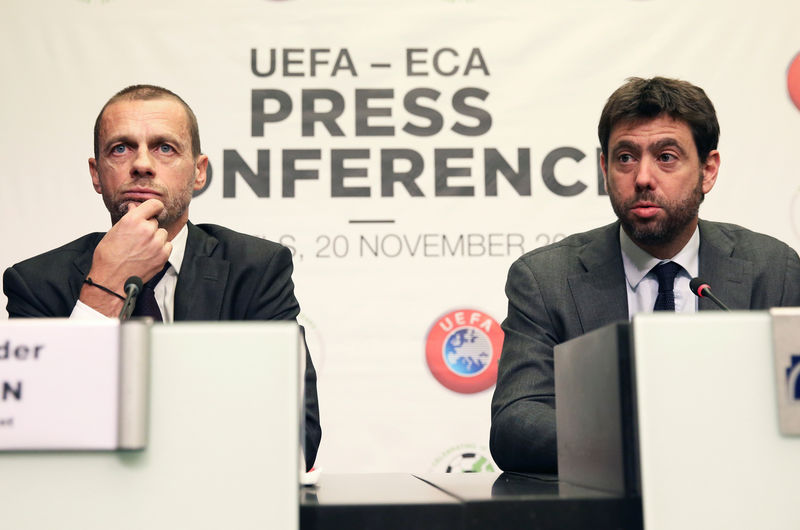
(462, 350)
(793, 80)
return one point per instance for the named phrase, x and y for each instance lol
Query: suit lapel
(599, 293)
(731, 279)
(202, 280)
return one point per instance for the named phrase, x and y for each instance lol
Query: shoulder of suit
(231, 240)
(67, 252)
(742, 238)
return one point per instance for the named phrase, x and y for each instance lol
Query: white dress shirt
(164, 290)
(642, 284)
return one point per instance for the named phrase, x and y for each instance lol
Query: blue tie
(666, 272)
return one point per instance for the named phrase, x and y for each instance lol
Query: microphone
(133, 286)
(703, 290)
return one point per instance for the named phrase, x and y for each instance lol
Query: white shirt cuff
(82, 311)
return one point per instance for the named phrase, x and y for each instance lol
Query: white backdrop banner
(405, 151)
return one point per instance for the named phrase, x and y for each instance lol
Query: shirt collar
(178, 249)
(638, 262)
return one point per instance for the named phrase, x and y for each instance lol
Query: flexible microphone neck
(133, 286)
(700, 288)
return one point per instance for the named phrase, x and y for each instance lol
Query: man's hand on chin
(134, 246)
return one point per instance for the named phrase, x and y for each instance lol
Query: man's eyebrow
(666, 142)
(165, 138)
(625, 145)
(156, 140)
(119, 138)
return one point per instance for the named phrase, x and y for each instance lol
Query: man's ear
(710, 169)
(604, 169)
(200, 168)
(98, 186)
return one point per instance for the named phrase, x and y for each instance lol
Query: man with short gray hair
(147, 163)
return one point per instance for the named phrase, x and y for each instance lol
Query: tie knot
(666, 272)
(152, 282)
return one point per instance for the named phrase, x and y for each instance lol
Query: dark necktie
(666, 272)
(146, 305)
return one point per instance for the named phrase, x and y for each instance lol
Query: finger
(152, 222)
(149, 209)
(161, 236)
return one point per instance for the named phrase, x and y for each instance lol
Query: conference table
(461, 501)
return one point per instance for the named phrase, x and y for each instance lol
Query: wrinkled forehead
(659, 126)
(152, 116)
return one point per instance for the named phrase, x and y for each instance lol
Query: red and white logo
(462, 350)
(793, 80)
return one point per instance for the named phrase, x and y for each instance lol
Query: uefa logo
(793, 378)
(462, 350)
(793, 80)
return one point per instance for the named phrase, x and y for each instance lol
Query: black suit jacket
(225, 275)
(564, 290)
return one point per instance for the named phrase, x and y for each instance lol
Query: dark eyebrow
(666, 142)
(625, 145)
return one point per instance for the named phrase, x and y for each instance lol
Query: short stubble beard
(680, 214)
(174, 205)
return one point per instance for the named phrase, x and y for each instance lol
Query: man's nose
(143, 164)
(646, 174)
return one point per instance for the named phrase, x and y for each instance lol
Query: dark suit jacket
(225, 275)
(564, 290)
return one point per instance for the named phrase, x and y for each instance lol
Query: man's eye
(666, 157)
(625, 158)
(118, 149)
(164, 148)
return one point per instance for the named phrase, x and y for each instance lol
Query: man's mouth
(140, 195)
(645, 209)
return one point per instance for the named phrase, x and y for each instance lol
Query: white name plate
(786, 344)
(60, 385)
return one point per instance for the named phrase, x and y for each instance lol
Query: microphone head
(133, 282)
(698, 285)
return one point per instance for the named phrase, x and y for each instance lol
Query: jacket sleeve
(38, 295)
(791, 282)
(273, 299)
(523, 430)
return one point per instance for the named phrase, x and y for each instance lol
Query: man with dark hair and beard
(147, 163)
(659, 158)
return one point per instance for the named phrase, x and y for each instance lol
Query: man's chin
(127, 206)
(646, 232)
